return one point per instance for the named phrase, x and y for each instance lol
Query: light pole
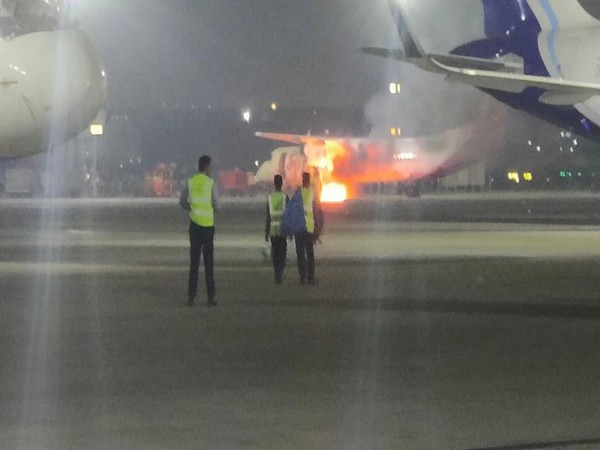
(96, 130)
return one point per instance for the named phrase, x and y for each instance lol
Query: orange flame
(334, 193)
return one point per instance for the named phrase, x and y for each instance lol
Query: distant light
(256, 163)
(528, 176)
(247, 115)
(396, 131)
(407, 156)
(575, 142)
(96, 129)
(530, 143)
(274, 106)
(514, 176)
(395, 88)
(572, 150)
(538, 148)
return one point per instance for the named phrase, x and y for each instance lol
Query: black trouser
(201, 241)
(279, 254)
(305, 253)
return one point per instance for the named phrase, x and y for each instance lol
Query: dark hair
(204, 162)
(278, 181)
(305, 177)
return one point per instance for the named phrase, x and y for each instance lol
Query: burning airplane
(342, 164)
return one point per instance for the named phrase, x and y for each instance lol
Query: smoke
(426, 106)
(448, 125)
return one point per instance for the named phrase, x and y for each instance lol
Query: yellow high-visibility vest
(276, 207)
(200, 198)
(307, 199)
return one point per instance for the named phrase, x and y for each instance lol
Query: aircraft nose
(87, 77)
(91, 79)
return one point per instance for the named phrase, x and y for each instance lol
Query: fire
(334, 193)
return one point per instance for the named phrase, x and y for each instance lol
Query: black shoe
(313, 282)
(278, 281)
(190, 302)
(211, 302)
(302, 282)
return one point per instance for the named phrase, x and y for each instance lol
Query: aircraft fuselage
(52, 86)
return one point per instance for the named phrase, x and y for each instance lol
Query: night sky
(235, 53)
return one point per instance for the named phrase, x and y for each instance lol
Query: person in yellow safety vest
(199, 198)
(305, 242)
(275, 206)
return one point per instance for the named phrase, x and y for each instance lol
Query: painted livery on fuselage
(540, 56)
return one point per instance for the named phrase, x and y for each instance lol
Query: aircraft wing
(558, 92)
(495, 75)
(500, 74)
(299, 139)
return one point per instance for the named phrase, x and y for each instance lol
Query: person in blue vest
(276, 204)
(199, 198)
(305, 241)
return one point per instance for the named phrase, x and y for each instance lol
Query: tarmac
(446, 322)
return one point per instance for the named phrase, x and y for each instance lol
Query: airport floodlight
(247, 115)
(96, 129)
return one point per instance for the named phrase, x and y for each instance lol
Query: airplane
(540, 56)
(52, 81)
(344, 163)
